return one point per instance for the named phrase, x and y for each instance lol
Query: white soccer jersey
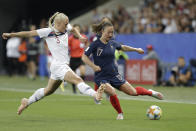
(57, 43)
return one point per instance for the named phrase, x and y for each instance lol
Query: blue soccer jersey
(103, 56)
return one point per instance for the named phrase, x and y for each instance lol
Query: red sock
(95, 87)
(115, 103)
(143, 91)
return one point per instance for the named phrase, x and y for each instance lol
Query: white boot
(120, 116)
(156, 94)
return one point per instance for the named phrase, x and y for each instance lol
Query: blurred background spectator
(23, 57)
(32, 55)
(121, 58)
(13, 55)
(42, 50)
(181, 74)
(76, 49)
(152, 55)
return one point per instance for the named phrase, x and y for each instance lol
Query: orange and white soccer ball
(154, 112)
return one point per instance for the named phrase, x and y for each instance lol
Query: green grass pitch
(64, 111)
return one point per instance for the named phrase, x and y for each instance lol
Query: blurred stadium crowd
(31, 56)
(154, 16)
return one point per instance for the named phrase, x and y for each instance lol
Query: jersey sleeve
(43, 32)
(89, 50)
(86, 38)
(118, 45)
(69, 27)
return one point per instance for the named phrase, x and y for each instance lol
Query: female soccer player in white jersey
(56, 36)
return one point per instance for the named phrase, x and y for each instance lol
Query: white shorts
(58, 71)
(49, 59)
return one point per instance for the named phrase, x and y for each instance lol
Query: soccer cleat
(62, 87)
(100, 92)
(97, 102)
(120, 116)
(107, 97)
(156, 94)
(24, 104)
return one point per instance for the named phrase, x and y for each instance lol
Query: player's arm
(20, 34)
(185, 77)
(188, 75)
(90, 63)
(77, 33)
(129, 48)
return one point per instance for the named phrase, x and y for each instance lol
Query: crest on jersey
(99, 51)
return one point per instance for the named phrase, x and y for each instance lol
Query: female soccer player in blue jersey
(114, 98)
(106, 71)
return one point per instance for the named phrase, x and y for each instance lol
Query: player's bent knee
(109, 89)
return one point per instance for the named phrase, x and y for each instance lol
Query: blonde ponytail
(52, 19)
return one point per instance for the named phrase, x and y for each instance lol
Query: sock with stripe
(115, 103)
(143, 91)
(86, 89)
(37, 95)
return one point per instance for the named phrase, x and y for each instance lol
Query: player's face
(63, 25)
(108, 32)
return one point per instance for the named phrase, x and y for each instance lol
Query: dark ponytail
(97, 28)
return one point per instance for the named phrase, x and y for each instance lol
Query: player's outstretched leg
(128, 89)
(39, 94)
(82, 86)
(142, 91)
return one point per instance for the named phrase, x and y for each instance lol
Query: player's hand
(83, 39)
(6, 35)
(140, 50)
(96, 68)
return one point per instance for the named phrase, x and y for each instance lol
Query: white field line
(69, 93)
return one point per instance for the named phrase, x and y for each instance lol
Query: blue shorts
(115, 81)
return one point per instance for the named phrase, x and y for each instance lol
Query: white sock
(38, 94)
(85, 89)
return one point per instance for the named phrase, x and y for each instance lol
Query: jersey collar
(56, 32)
